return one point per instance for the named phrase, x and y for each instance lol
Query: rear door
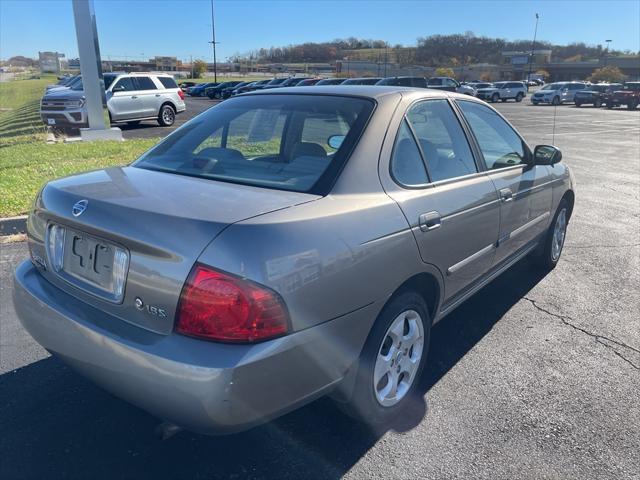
(150, 96)
(452, 208)
(525, 202)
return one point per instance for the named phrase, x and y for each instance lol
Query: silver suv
(131, 98)
(558, 93)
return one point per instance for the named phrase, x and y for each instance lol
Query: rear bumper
(202, 386)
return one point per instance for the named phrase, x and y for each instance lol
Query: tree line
(435, 50)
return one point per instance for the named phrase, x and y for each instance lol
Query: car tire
(550, 250)
(534, 102)
(578, 104)
(167, 116)
(632, 105)
(556, 101)
(609, 105)
(378, 403)
(519, 97)
(597, 103)
(495, 97)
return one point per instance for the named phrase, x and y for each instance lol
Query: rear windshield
(286, 142)
(168, 82)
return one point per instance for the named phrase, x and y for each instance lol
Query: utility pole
(386, 45)
(213, 42)
(606, 55)
(533, 45)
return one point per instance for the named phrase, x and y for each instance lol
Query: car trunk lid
(162, 221)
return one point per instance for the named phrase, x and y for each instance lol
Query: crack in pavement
(601, 339)
(604, 246)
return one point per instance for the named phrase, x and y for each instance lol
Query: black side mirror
(546, 155)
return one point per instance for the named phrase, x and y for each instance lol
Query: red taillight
(181, 94)
(218, 306)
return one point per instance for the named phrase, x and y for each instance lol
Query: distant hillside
(435, 50)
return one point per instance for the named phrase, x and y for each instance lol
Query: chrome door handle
(506, 195)
(157, 94)
(430, 221)
(134, 96)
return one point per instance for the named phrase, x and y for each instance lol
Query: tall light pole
(533, 45)
(606, 54)
(213, 42)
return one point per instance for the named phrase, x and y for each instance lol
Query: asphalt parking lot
(151, 129)
(534, 377)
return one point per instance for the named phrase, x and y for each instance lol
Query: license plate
(51, 121)
(93, 264)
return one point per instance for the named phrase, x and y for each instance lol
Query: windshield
(287, 142)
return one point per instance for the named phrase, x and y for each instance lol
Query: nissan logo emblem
(79, 207)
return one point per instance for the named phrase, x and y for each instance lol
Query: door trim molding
(463, 263)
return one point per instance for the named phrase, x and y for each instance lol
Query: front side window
(286, 142)
(124, 85)
(435, 81)
(500, 145)
(442, 140)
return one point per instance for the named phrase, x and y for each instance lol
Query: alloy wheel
(559, 232)
(398, 358)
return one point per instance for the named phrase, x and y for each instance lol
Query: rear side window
(286, 142)
(168, 82)
(500, 145)
(145, 83)
(442, 140)
(435, 81)
(407, 166)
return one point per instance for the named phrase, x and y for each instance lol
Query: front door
(124, 102)
(452, 208)
(525, 203)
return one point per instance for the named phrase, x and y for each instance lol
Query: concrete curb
(13, 225)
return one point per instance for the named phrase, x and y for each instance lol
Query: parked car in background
(131, 98)
(362, 81)
(185, 85)
(75, 81)
(503, 91)
(596, 94)
(628, 95)
(419, 82)
(199, 90)
(450, 85)
(274, 83)
(308, 82)
(478, 85)
(557, 93)
(183, 316)
(228, 91)
(330, 81)
(293, 81)
(215, 91)
(251, 87)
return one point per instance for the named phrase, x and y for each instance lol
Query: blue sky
(143, 28)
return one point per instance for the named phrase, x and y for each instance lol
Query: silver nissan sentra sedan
(284, 245)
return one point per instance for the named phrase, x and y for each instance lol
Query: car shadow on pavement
(55, 424)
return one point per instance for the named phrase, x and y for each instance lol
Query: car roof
(368, 91)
